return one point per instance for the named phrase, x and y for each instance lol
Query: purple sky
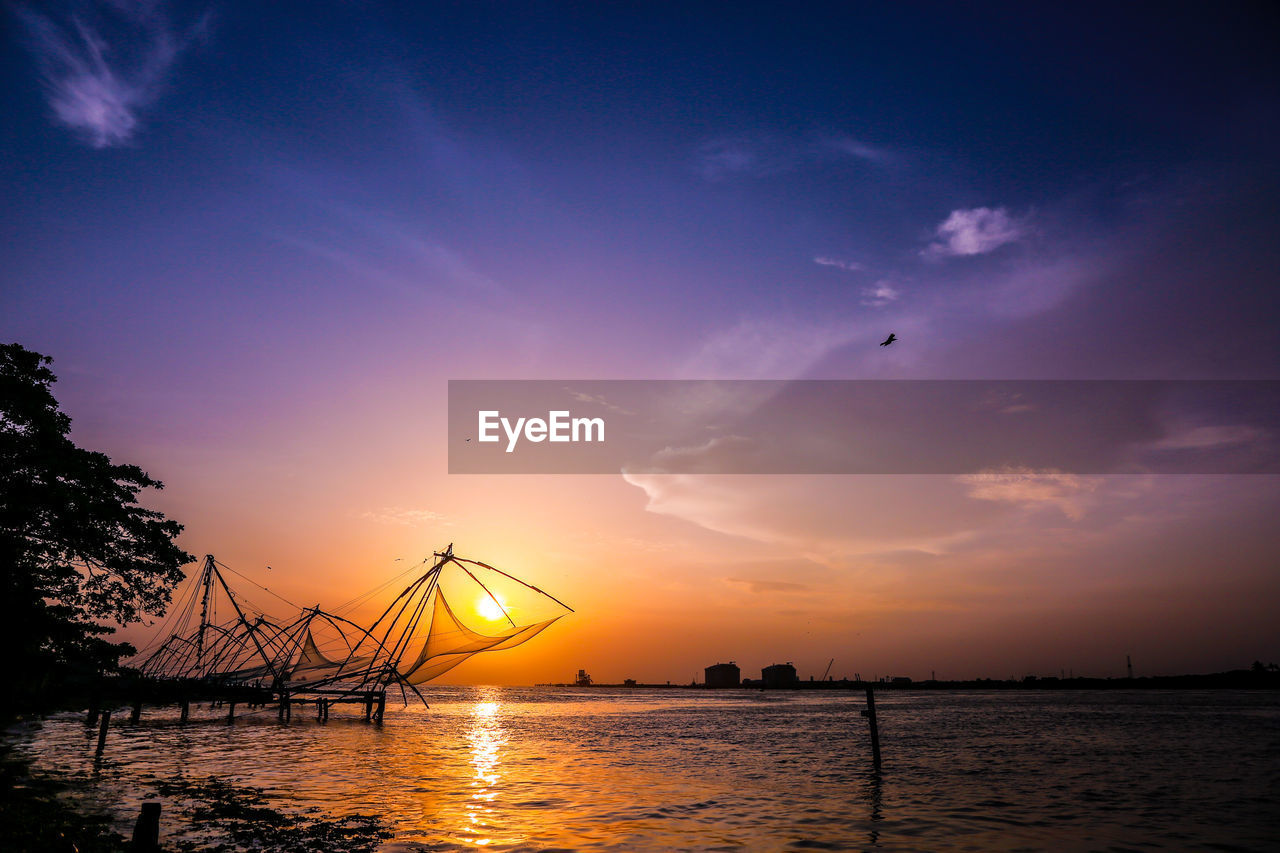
(258, 242)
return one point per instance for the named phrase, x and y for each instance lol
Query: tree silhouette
(75, 547)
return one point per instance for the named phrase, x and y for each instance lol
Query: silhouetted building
(779, 675)
(629, 682)
(584, 680)
(723, 675)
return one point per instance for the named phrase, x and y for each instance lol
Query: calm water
(536, 768)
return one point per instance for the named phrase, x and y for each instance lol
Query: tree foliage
(76, 549)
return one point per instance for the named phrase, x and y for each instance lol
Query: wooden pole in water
(186, 711)
(102, 732)
(146, 832)
(382, 705)
(137, 712)
(231, 712)
(870, 714)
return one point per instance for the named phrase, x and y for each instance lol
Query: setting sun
(491, 608)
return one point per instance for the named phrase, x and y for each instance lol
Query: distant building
(723, 675)
(629, 682)
(584, 680)
(779, 675)
(901, 679)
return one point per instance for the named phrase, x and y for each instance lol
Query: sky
(259, 239)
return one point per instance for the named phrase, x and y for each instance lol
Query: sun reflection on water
(486, 737)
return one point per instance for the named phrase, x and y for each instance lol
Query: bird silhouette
(892, 337)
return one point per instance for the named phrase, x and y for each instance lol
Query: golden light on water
(486, 738)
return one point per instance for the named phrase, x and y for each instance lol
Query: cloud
(768, 586)
(1028, 488)
(857, 148)
(725, 157)
(823, 519)
(975, 232)
(404, 260)
(405, 517)
(770, 348)
(722, 453)
(1209, 437)
(850, 266)
(879, 294)
(103, 65)
(598, 400)
(762, 155)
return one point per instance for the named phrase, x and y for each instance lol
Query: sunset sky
(259, 239)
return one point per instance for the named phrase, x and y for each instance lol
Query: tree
(75, 546)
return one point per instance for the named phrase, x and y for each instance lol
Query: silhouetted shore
(1236, 679)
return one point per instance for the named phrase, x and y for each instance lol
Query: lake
(648, 769)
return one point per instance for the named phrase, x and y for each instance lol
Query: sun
(489, 609)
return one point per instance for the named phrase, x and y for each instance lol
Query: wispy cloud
(769, 348)
(975, 232)
(1209, 437)
(1029, 489)
(849, 266)
(103, 64)
(598, 400)
(406, 517)
(768, 586)
(857, 148)
(880, 294)
(761, 155)
(756, 157)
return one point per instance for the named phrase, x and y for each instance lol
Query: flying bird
(892, 337)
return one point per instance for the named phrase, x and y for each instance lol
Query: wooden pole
(870, 714)
(382, 705)
(102, 732)
(136, 714)
(186, 711)
(146, 832)
(231, 711)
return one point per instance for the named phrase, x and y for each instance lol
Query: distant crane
(828, 672)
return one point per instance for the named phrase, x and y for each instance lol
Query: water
(600, 769)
